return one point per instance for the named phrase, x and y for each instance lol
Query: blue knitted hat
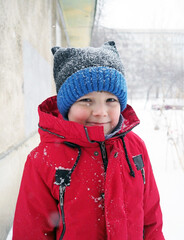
(79, 71)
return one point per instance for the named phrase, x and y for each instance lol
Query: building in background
(28, 31)
(153, 60)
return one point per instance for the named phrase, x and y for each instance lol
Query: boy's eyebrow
(82, 98)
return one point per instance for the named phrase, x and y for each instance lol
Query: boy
(90, 177)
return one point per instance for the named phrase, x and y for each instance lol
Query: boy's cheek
(78, 115)
(115, 117)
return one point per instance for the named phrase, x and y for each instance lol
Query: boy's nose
(99, 110)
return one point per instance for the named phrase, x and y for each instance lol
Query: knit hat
(79, 71)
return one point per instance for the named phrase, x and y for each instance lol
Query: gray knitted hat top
(78, 71)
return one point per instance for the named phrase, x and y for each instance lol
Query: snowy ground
(163, 133)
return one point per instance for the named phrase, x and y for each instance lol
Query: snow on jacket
(77, 185)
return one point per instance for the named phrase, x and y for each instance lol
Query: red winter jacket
(77, 185)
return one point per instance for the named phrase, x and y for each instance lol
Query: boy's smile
(96, 109)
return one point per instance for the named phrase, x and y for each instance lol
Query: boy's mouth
(97, 123)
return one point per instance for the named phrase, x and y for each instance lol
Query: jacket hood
(53, 128)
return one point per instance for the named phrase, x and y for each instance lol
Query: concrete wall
(28, 31)
(11, 168)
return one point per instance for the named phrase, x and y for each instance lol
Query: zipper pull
(140, 166)
(61, 194)
(143, 175)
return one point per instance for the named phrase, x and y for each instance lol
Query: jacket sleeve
(36, 214)
(152, 210)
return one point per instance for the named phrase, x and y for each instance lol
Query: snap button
(115, 154)
(96, 153)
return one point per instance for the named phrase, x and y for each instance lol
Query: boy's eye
(111, 100)
(85, 100)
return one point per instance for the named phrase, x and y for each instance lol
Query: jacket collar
(54, 128)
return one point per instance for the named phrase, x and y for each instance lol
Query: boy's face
(96, 109)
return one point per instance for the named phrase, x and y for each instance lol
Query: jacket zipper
(61, 195)
(104, 154)
(63, 180)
